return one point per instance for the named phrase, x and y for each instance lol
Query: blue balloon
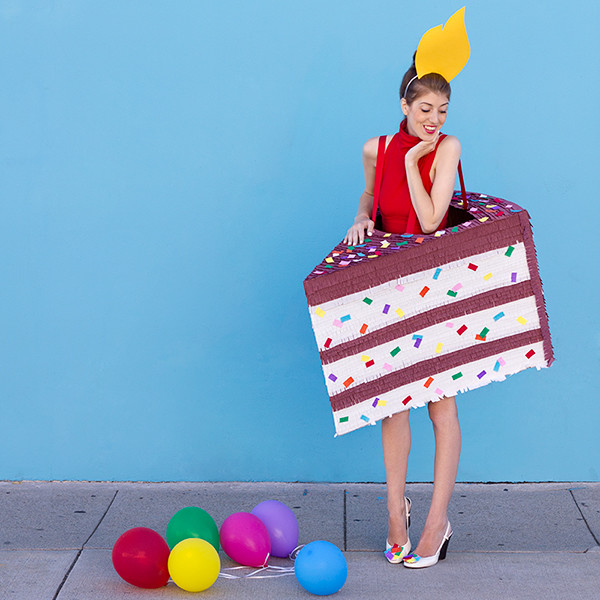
(321, 568)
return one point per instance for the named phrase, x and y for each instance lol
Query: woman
(419, 172)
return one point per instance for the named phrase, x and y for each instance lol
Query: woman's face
(426, 115)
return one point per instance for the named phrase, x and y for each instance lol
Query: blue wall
(171, 171)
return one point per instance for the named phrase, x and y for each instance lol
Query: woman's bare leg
(395, 436)
(444, 416)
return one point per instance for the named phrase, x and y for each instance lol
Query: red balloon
(140, 556)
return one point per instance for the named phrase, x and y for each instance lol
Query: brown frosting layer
(434, 316)
(428, 368)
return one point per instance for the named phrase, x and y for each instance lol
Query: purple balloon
(282, 525)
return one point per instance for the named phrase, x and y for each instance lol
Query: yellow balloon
(194, 565)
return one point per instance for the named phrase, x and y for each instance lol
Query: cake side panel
(536, 283)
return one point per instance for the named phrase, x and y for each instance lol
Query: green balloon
(192, 522)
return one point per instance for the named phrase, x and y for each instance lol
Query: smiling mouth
(429, 129)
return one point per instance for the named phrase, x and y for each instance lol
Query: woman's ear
(404, 106)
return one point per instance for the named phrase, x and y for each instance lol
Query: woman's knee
(443, 412)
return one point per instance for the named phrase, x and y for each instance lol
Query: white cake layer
(496, 368)
(437, 341)
(342, 319)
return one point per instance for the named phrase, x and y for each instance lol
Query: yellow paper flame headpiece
(443, 49)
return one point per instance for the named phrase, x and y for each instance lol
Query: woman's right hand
(356, 233)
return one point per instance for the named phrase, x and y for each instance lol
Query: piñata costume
(405, 319)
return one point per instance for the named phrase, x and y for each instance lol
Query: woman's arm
(362, 221)
(431, 209)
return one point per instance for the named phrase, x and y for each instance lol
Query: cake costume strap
(378, 175)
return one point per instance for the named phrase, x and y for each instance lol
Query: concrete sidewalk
(511, 541)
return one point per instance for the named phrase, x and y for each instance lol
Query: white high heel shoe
(395, 553)
(414, 561)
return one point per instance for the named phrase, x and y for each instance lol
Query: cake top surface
(482, 208)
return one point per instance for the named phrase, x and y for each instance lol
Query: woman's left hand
(422, 149)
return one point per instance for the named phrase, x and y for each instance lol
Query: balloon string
(279, 572)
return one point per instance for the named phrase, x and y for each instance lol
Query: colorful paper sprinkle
(419, 240)
(367, 301)
(439, 392)
(400, 287)
(513, 277)
(348, 382)
(501, 361)
(530, 353)
(319, 312)
(437, 273)
(365, 358)
(327, 342)
(461, 329)
(395, 351)
(375, 402)
(418, 339)
(509, 251)
(480, 375)
(423, 292)
(488, 276)
(370, 363)
(386, 309)
(345, 318)
(364, 418)
(406, 400)
(484, 332)
(457, 287)
(364, 328)
(343, 419)
(522, 320)
(400, 312)
(473, 267)
(329, 259)
(337, 323)
(439, 347)
(450, 324)
(498, 316)
(333, 378)
(457, 376)
(388, 367)
(452, 293)
(497, 366)
(428, 382)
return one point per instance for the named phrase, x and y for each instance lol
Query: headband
(443, 49)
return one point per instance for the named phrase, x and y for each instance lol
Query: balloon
(192, 522)
(282, 525)
(321, 568)
(140, 557)
(245, 539)
(194, 565)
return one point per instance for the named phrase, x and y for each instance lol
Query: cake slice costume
(407, 318)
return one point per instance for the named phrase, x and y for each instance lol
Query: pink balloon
(245, 539)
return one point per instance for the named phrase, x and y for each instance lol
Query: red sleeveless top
(395, 205)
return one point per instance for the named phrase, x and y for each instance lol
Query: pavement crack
(583, 517)
(80, 550)
(345, 521)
